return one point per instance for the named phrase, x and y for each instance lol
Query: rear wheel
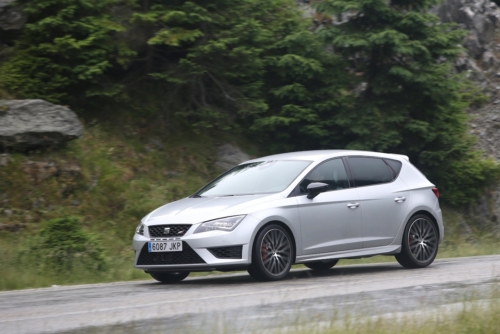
(321, 265)
(169, 276)
(272, 255)
(420, 243)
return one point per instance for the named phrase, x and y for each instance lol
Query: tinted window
(395, 165)
(331, 172)
(255, 178)
(369, 171)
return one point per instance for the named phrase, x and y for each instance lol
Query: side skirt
(355, 253)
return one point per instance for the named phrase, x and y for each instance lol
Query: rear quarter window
(369, 171)
(395, 166)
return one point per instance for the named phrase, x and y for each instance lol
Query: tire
(321, 265)
(420, 243)
(169, 277)
(273, 254)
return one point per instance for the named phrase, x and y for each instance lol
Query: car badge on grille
(166, 230)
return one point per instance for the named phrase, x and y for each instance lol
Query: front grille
(187, 256)
(233, 252)
(158, 231)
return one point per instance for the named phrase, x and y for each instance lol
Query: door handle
(352, 205)
(400, 199)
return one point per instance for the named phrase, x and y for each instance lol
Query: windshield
(255, 178)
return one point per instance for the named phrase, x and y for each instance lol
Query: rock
(4, 159)
(12, 227)
(70, 173)
(157, 144)
(29, 124)
(473, 46)
(480, 17)
(12, 16)
(229, 156)
(489, 60)
(39, 170)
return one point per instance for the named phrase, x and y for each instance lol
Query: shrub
(62, 246)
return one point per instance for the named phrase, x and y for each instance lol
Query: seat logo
(166, 230)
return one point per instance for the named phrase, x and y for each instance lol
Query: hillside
(156, 105)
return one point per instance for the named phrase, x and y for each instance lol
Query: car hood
(197, 210)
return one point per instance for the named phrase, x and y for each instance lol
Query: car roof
(320, 155)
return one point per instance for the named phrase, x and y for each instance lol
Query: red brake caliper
(263, 251)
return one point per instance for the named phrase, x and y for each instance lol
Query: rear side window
(395, 166)
(331, 172)
(369, 171)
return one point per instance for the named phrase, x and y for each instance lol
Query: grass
(123, 174)
(467, 317)
(113, 176)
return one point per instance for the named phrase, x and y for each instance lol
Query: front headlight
(140, 229)
(221, 224)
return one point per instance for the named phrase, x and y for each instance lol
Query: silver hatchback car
(313, 207)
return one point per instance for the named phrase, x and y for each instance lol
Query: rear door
(328, 223)
(383, 198)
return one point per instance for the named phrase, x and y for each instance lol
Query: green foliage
(62, 246)
(378, 78)
(210, 57)
(306, 87)
(64, 51)
(407, 99)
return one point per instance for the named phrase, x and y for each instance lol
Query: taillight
(436, 192)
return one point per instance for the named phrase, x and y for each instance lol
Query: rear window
(369, 171)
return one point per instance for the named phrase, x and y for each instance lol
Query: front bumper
(196, 254)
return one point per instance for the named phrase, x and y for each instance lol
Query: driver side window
(331, 172)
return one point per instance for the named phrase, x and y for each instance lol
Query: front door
(331, 221)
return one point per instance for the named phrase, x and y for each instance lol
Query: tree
(409, 101)
(208, 58)
(64, 51)
(306, 89)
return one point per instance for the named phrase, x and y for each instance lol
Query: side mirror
(316, 188)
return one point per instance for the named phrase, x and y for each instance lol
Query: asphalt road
(237, 303)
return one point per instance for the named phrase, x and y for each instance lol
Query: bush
(62, 246)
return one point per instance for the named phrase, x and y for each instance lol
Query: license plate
(165, 246)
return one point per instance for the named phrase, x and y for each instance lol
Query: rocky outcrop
(485, 125)
(12, 16)
(481, 18)
(33, 124)
(229, 156)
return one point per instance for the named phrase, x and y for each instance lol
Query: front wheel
(321, 265)
(169, 277)
(272, 255)
(420, 243)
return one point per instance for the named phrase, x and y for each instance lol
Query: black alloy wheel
(321, 265)
(420, 243)
(273, 254)
(169, 276)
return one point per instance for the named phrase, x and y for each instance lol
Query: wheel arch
(420, 210)
(425, 213)
(428, 214)
(282, 224)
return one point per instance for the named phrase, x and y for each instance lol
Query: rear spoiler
(402, 156)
